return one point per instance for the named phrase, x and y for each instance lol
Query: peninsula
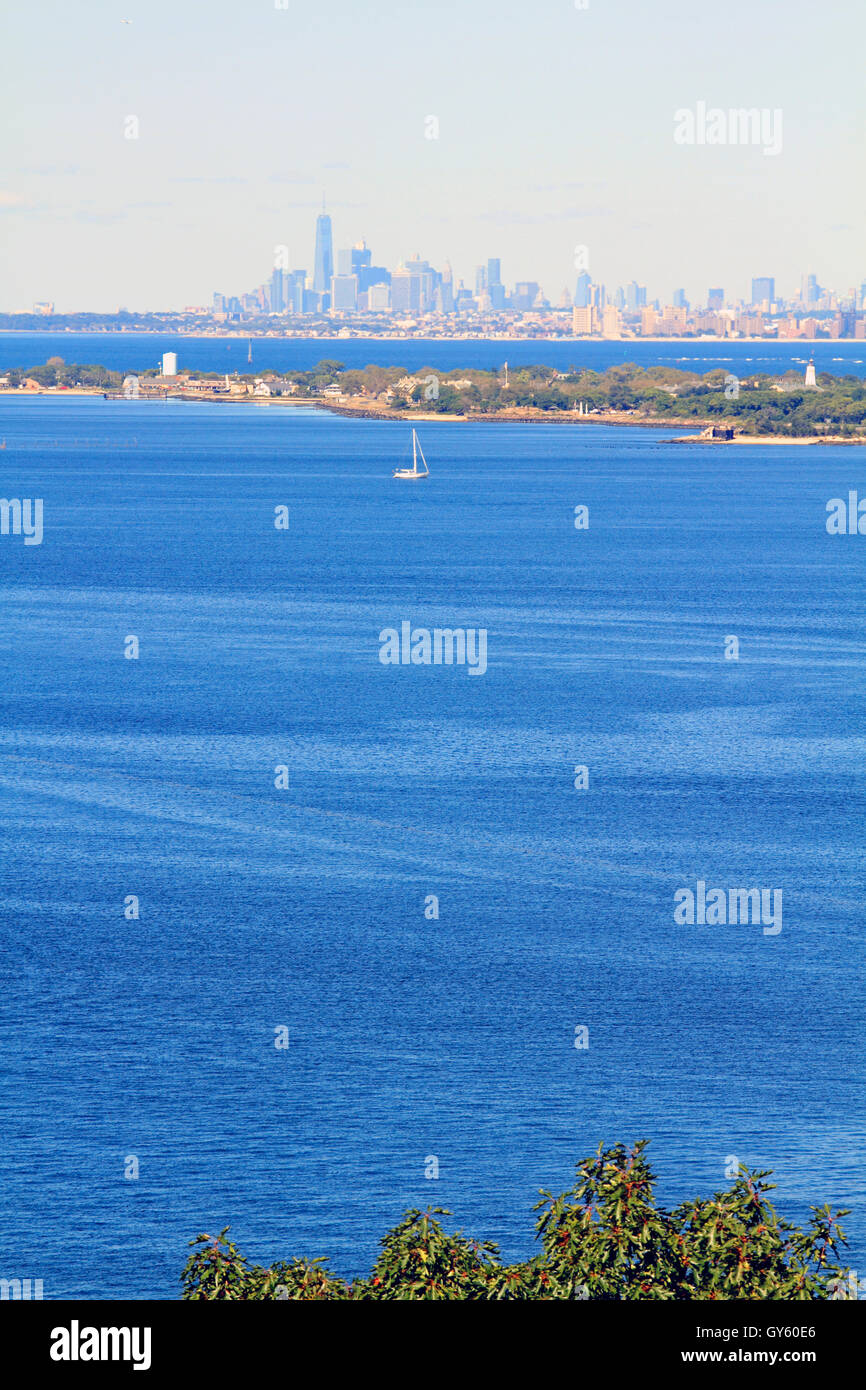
(718, 405)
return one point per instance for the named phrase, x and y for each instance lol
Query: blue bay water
(304, 907)
(140, 351)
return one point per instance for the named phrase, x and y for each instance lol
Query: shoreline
(274, 337)
(513, 417)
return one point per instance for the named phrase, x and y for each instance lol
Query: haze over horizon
(555, 129)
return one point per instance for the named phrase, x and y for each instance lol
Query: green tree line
(56, 372)
(605, 1238)
(758, 404)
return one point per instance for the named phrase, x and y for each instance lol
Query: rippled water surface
(411, 1036)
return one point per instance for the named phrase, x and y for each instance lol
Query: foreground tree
(605, 1238)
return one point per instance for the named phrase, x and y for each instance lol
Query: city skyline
(346, 282)
(324, 259)
(327, 271)
(148, 162)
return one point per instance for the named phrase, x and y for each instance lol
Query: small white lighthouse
(810, 374)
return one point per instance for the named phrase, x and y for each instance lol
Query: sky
(555, 131)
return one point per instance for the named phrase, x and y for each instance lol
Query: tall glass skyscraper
(277, 291)
(763, 287)
(324, 263)
(581, 293)
(635, 296)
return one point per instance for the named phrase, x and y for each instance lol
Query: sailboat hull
(414, 471)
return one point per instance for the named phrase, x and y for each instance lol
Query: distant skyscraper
(446, 290)
(810, 291)
(463, 301)
(358, 264)
(422, 297)
(611, 325)
(715, 298)
(581, 293)
(764, 287)
(276, 295)
(372, 275)
(405, 291)
(635, 296)
(344, 292)
(296, 284)
(361, 257)
(525, 295)
(495, 287)
(324, 264)
(379, 298)
(480, 279)
(680, 301)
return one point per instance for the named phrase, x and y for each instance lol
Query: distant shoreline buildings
(349, 288)
(346, 295)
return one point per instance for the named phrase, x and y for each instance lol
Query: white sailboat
(414, 471)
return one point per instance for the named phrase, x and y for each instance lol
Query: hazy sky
(555, 130)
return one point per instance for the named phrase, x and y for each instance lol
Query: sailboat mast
(414, 471)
